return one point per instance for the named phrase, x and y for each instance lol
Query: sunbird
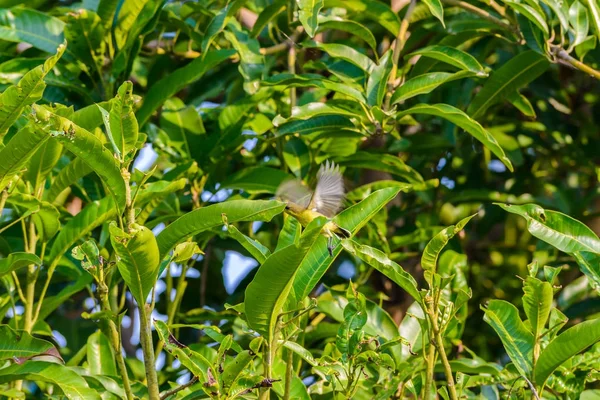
(305, 204)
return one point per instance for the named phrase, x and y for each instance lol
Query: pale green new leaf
(72, 385)
(254, 247)
(268, 292)
(537, 302)
(126, 19)
(210, 217)
(517, 340)
(465, 122)
(380, 261)
(308, 14)
(17, 260)
(513, 75)
(452, 56)
(578, 16)
(569, 343)
(29, 90)
(123, 125)
(137, 259)
(378, 80)
(436, 9)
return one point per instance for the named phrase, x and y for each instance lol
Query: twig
(179, 388)
(290, 42)
(482, 13)
(564, 56)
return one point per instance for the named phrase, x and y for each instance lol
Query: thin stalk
(30, 289)
(429, 371)
(564, 56)
(3, 198)
(267, 362)
(147, 348)
(289, 370)
(447, 369)
(44, 290)
(292, 70)
(179, 388)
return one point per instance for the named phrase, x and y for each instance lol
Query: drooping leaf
(126, 19)
(21, 346)
(269, 13)
(372, 9)
(346, 53)
(210, 217)
(453, 56)
(382, 162)
(254, 247)
(267, 293)
(308, 14)
(67, 176)
(39, 29)
(465, 122)
(138, 259)
(517, 340)
(297, 157)
(531, 14)
(426, 83)
(594, 9)
(256, 180)
(436, 9)
(218, 23)
(290, 232)
(100, 357)
(513, 75)
(350, 26)
(17, 152)
(17, 260)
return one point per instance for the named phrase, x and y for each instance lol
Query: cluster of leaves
(141, 144)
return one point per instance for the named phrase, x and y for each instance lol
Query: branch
(179, 388)
(291, 41)
(564, 56)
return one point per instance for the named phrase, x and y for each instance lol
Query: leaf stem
(564, 56)
(289, 370)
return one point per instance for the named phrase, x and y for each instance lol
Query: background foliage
(141, 144)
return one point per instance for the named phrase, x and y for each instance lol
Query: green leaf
(45, 216)
(450, 55)
(316, 124)
(350, 26)
(537, 302)
(39, 29)
(564, 346)
(343, 52)
(269, 13)
(513, 75)
(17, 152)
(123, 125)
(465, 122)
(17, 260)
(308, 14)
(361, 192)
(352, 219)
(561, 231)
(85, 34)
(255, 248)
(210, 217)
(218, 23)
(72, 385)
(138, 259)
(436, 9)
(85, 146)
(290, 232)
(517, 340)
(561, 10)
(195, 362)
(129, 12)
(267, 293)
(372, 9)
(522, 103)
(235, 368)
(436, 245)
(594, 9)
(256, 180)
(21, 346)
(378, 80)
(590, 266)
(68, 175)
(531, 14)
(382, 162)
(100, 357)
(578, 16)
(380, 261)
(177, 80)
(29, 90)
(286, 80)
(42, 162)
(51, 303)
(426, 83)
(297, 157)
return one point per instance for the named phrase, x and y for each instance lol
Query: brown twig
(171, 392)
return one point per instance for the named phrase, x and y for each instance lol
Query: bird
(325, 200)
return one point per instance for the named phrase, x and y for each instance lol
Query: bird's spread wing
(296, 192)
(329, 192)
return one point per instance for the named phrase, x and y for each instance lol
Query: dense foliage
(143, 253)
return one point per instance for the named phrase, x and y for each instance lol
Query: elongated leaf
(21, 346)
(590, 266)
(67, 176)
(100, 357)
(372, 9)
(462, 120)
(126, 19)
(296, 155)
(361, 192)
(578, 16)
(436, 245)
(353, 219)
(85, 146)
(40, 30)
(123, 125)
(380, 261)
(308, 14)
(311, 110)
(452, 56)
(210, 217)
(254, 247)
(436, 9)
(531, 14)
(45, 215)
(594, 9)
(316, 124)
(382, 162)
(236, 367)
(51, 303)
(561, 231)
(517, 340)
(522, 104)
(17, 260)
(195, 362)
(345, 53)
(377, 82)
(267, 293)
(350, 26)
(537, 302)
(138, 259)
(42, 162)
(178, 79)
(313, 80)
(425, 83)
(516, 73)
(561, 10)
(17, 152)
(569, 343)
(290, 232)
(267, 15)
(85, 34)
(29, 90)
(69, 382)
(257, 180)
(217, 24)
